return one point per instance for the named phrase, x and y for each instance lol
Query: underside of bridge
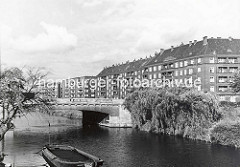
(92, 117)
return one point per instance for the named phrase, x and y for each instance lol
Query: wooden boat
(67, 156)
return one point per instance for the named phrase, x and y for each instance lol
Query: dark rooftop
(124, 68)
(217, 45)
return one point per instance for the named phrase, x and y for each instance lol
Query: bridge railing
(88, 101)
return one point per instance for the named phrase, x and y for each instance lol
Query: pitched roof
(217, 45)
(123, 68)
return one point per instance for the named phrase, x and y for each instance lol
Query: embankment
(183, 112)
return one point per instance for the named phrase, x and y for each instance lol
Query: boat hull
(66, 156)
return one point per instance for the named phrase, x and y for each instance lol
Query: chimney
(205, 40)
(230, 38)
(195, 41)
(190, 43)
(161, 51)
(172, 47)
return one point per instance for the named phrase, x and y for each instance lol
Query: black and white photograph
(119, 83)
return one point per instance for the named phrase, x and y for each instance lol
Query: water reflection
(118, 147)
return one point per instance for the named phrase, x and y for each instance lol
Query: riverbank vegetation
(184, 112)
(227, 130)
(176, 111)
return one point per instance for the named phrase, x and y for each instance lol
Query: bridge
(105, 112)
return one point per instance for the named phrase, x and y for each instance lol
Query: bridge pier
(122, 120)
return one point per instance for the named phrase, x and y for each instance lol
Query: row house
(212, 62)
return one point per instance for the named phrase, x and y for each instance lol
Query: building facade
(207, 65)
(79, 87)
(211, 62)
(117, 81)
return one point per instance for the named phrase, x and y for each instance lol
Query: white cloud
(54, 39)
(111, 31)
(89, 3)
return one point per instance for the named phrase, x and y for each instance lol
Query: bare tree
(19, 94)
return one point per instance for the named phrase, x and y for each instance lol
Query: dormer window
(229, 51)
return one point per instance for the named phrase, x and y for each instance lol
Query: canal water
(117, 147)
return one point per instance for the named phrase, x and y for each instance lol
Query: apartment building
(79, 87)
(116, 81)
(50, 90)
(211, 62)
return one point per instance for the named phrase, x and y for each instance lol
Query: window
(185, 63)
(222, 88)
(136, 72)
(199, 88)
(150, 69)
(232, 60)
(176, 65)
(185, 72)
(231, 78)
(154, 76)
(150, 76)
(159, 75)
(154, 68)
(222, 60)
(222, 69)
(171, 65)
(211, 88)
(159, 68)
(181, 72)
(211, 79)
(199, 69)
(232, 99)
(190, 71)
(233, 69)
(222, 79)
(221, 98)
(199, 60)
(192, 61)
(181, 64)
(176, 73)
(211, 69)
(211, 60)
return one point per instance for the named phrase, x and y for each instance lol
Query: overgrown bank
(179, 111)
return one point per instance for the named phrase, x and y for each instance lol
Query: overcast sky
(80, 37)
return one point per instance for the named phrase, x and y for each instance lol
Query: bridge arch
(95, 110)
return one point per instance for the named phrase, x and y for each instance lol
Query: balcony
(222, 60)
(222, 70)
(232, 60)
(233, 69)
(222, 79)
(223, 89)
